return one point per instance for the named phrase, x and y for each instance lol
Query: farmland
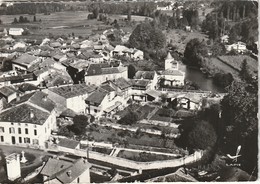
(64, 23)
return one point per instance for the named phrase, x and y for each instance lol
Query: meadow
(64, 23)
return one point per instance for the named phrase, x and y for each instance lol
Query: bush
(129, 119)
(79, 124)
(202, 135)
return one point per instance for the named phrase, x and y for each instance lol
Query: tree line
(32, 8)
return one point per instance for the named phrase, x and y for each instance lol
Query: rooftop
(73, 90)
(172, 72)
(75, 170)
(97, 97)
(7, 91)
(53, 166)
(122, 83)
(37, 98)
(24, 113)
(144, 75)
(25, 59)
(68, 143)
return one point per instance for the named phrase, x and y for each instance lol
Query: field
(64, 23)
(236, 61)
(180, 38)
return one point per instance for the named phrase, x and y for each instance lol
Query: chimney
(44, 98)
(18, 97)
(69, 173)
(31, 114)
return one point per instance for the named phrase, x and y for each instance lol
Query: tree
(239, 117)
(147, 37)
(194, 52)
(129, 119)
(131, 71)
(202, 135)
(21, 19)
(129, 12)
(244, 71)
(79, 124)
(15, 21)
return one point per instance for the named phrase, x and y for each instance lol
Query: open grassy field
(64, 23)
(180, 38)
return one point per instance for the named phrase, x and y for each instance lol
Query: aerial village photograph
(124, 91)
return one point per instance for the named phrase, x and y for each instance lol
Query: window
(12, 123)
(95, 110)
(35, 132)
(26, 131)
(35, 141)
(78, 180)
(2, 139)
(19, 131)
(20, 140)
(19, 124)
(26, 140)
(2, 129)
(45, 130)
(35, 126)
(26, 124)
(11, 130)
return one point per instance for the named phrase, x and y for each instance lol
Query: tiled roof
(54, 166)
(107, 87)
(74, 171)
(96, 97)
(41, 64)
(22, 113)
(122, 83)
(172, 72)
(25, 59)
(68, 143)
(17, 78)
(7, 91)
(38, 98)
(144, 75)
(73, 90)
(94, 69)
(27, 87)
(139, 83)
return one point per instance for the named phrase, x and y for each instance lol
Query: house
(8, 92)
(122, 86)
(24, 62)
(224, 39)
(28, 121)
(16, 31)
(171, 76)
(103, 101)
(71, 96)
(239, 47)
(188, 101)
(97, 74)
(58, 171)
(6, 81)
(139, 88)
(121, 50)
(151, 76)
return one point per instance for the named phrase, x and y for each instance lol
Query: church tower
(170, 63)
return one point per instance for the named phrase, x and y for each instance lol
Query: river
(201, 80)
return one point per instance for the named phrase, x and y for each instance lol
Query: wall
(139, 165)
(43, 131)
